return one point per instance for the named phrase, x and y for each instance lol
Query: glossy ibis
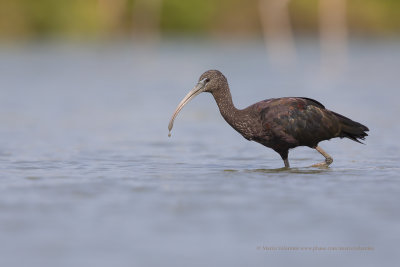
(277, 123)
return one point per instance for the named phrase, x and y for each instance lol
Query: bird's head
(210, 81)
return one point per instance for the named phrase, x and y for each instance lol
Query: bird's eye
(207, 80)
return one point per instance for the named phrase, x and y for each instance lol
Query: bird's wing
(303, 121)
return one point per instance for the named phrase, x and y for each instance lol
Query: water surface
(88, 176)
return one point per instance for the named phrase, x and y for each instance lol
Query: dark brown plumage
(278, 123)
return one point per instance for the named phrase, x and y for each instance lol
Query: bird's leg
(284, 155)
(286, 161)
(328, 159)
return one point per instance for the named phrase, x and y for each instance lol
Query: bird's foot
(322, 165)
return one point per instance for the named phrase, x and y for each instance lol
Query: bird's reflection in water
(304, 170)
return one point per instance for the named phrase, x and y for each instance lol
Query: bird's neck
(229, 112)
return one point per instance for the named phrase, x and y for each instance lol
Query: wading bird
(277, 123)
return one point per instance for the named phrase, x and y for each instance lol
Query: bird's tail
(352, 129)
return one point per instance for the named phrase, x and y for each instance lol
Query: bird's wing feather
(303, 121)
(314, 101)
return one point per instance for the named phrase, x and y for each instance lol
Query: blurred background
(279, 23)
(88, 176)
(109, 19)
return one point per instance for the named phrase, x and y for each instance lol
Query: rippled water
(88, 176)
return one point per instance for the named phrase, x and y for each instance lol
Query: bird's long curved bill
(194, 92)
